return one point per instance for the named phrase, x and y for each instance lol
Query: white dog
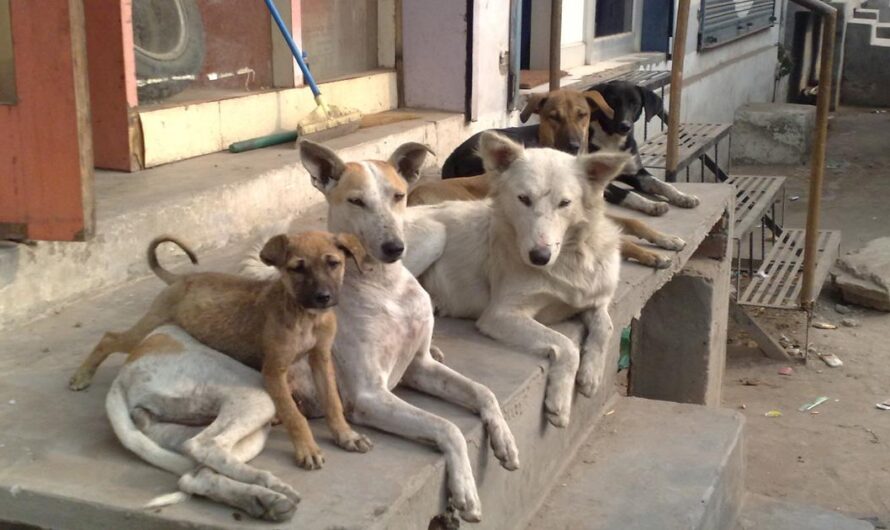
(200, 414)
(385, 320)
(538, 251)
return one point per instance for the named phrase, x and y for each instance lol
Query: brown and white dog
(386, 317)
(265, 324)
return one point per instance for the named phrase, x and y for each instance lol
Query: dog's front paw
(309, 456)
(80, 380)
(354, 442)
(657, 209)
(661, 262)
(272, 506)
(465, 499)
(503, 444)
(557, 408)
(686, 201)
(588, 379)
(268, 480)
(437, 354)
(671, 243)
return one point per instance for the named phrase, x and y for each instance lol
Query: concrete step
(652, 465)
(865, 14)
(210, 201)
(62, 467)
(764, 513)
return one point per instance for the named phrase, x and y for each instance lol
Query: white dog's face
(545, 193)
(366, 198)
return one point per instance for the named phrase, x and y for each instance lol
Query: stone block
(773, 133)
(863, 276)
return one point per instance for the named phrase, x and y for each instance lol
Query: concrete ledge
(651, 465)
(62, 467)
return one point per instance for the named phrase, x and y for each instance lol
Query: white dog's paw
(671, 243)
(661, 262)
(437, 354)
(558, 404)
(271, 506)
(465, 499)
(353, 441)
(274, 483)
(686, 201)
(588, 379)
(503, 444)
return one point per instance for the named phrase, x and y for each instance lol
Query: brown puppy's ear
(498, 152)
(596, 101)
(352, 247)
(274, 253)
(600, 168)
(533, 106)
(652, 103)
(408, 159)
(323, 165)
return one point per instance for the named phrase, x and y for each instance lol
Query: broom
(325, 121)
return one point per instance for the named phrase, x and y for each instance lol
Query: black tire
(168, 38)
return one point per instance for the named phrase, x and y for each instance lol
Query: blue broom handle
(298, 55)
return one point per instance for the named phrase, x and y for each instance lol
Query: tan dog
(478, 187)
(266, 325)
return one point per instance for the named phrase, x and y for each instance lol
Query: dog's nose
(574, 146)
(539, 256)
(624, 127)
(322, 298)
(393, 249)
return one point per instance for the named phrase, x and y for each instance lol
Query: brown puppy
(265, 324)
(475, 188)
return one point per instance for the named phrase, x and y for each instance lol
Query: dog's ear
(498, 152)
(274, 252)
(323, 165)
(408, 159)
(596, 101)
(600, 168)
(533, 106)
(352, 247)
(652, 103)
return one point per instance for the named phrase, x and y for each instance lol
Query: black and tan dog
(614, 107)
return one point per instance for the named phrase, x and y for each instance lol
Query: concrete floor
(838, 458)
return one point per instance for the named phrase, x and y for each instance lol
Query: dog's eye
(299, 267)
(556, 118)
(582, 115)
(356, 201)
(333, 264)
(524, 199)
(398, 197)
(563, 203)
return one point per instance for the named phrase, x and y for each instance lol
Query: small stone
(841, 309)
(12, 402)
(78, 324)
(45, 350)
(850, 323)
(752, 344)
(793, 351)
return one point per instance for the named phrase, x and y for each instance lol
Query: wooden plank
(112, 83)
(45, 145)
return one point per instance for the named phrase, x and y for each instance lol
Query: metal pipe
(678, 55)
(555, 43)
(817, 161)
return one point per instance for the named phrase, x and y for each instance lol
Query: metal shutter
(722, 21)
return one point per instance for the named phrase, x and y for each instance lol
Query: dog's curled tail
(135, 440)
(156, 268)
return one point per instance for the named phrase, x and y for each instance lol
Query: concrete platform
(62, 467)
(211, 201)
(764, 513)
(652, 465)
